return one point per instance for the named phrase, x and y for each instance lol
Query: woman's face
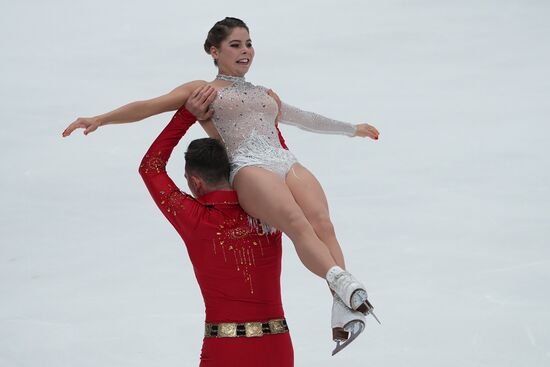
(235, 53)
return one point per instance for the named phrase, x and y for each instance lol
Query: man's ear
(198, 183)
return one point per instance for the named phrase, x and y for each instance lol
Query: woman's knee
(322, 225)
(293, 220)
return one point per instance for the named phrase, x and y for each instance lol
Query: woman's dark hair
(220, 31)
(207, 158)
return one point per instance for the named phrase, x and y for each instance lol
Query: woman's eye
(249, 45)
(234, 45)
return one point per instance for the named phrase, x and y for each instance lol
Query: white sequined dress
(244, 115)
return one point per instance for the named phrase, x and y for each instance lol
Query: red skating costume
(237, 267)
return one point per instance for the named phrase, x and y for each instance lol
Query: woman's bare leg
(266, 196)
(309, 195)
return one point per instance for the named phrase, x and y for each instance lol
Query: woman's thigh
(308, 193)
(265, 195)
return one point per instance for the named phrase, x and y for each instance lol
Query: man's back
(237, 267)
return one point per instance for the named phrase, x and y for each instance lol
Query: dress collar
(228, 197)
(231, 78)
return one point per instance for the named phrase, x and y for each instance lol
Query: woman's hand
(89, 124)
(364, 130)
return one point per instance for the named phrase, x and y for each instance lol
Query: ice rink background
(445, 217)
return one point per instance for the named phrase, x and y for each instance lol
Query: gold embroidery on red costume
(235, 236)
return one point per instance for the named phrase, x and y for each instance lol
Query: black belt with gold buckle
(245, 329)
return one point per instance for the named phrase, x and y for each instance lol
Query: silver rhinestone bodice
(241, 109)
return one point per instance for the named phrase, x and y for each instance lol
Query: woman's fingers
(81, 123)
(69, 129)
(66, 132)
(364, 130)
(75, 125)
(90, 129)
(374, 132)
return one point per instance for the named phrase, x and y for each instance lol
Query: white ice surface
(445, 217)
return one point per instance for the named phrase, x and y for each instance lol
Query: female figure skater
(271, 185)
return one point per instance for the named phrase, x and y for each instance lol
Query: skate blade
(376, 318)
(353, 328)
(366, 308)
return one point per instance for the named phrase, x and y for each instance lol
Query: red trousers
(265, 351)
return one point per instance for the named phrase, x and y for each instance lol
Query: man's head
(206, 167)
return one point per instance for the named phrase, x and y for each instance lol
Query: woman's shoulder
(175, 98)
(192, 85)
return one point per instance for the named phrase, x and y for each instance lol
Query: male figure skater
(237, 266)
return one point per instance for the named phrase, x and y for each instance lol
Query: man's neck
(223, 186)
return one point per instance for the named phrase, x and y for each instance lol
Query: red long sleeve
(181, 209)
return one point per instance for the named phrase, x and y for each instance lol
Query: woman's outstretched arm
(136, 111)
(310, 121)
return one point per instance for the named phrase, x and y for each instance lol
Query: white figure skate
(350, 290)
(347, 324)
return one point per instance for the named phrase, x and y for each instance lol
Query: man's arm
(275, 96)
(180, 209)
